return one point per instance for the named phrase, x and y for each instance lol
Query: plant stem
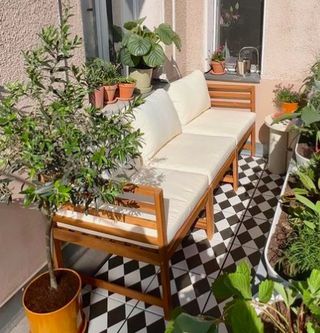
(53, 279)
(263, 305)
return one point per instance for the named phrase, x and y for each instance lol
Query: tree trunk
(53, 279)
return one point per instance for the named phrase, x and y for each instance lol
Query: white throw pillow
(159, 122)
(190, 96)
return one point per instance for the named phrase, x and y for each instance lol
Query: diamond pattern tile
(242, 223)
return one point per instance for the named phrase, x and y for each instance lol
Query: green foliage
(98, 72)
(240, 314)
(285, 94)
(127, 79)
(141, 47)
(218, 55)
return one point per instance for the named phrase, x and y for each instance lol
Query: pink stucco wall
(21, 229)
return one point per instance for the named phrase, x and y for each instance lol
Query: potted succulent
(286, 99)
(142, 51)
(218, 62)
(63, 151)
(126, 88)
(295, 310)
(110, 82)
(93, 74)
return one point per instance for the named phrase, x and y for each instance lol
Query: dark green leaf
(155, 57)
(138, 46)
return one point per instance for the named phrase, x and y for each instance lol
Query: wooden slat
(141, 205)
(147, 298)
(229, 87)
(115, 247)
(103, 213)
(106, 230)
(230, 95)
(238, 105)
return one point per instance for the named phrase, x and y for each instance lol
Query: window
(102, 20)
(238, 24)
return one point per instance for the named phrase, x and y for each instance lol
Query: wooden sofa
(181, 167)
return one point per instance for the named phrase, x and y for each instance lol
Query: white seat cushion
(190, 96)
(222, 122)
(182, 191)
(158, 121)
(195, 153)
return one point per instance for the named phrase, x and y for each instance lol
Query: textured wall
(20, 21)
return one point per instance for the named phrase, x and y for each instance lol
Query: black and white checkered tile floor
(242, 223)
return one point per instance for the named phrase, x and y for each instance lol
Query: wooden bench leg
(57, 253)
(166, 290)
(235, 173)
(253, 142)
(210, 215)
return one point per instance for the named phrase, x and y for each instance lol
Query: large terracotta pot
(143, 79)
(97, 97)
(126, 91)
(218, 67)
(109, 94)
(288, 107)
(67, 319)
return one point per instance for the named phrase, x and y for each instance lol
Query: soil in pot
(305, 150)
(40, 298)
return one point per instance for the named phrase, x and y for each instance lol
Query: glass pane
(240, 25)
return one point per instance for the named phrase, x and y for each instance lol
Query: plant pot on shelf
(303, 153)
(55, 312)
(142, 78)
(218, 67)
(96, 98)
(286, 107)
(126, 91)
(109, 93)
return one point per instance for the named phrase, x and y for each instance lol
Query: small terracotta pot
(126, 90)
(218, 67)
(96, 98)
(288, 107)
(109, 94)
(69, 318)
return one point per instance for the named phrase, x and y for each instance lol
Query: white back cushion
(190, 96)
(159, 122)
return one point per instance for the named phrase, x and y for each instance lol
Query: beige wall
(291, 43)
(21, 230)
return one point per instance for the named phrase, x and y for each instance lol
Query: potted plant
(93, 73)
(142, 51)
(126, 88)
(66, 152)
(286, 99)
(293, 248)
(295, 311)
(110, 82)
(218, 62)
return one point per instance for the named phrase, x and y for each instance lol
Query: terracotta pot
(68, 319)
(109, 94)
(288, 107)
(218, 67)
(96, 98)
(126, 90)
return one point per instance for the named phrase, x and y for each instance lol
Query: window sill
(250, 78)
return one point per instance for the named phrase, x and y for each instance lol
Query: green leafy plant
(141, 47)
(218, 55)
(301, 251)
(285, 94)
(65, 150)
(299, 313)
(93, 73)
(127, 79)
